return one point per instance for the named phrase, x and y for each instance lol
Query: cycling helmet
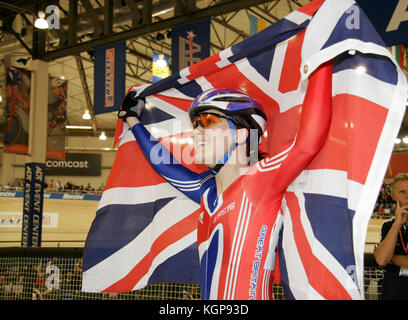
(241, 110)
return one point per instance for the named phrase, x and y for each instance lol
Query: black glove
(132, 106)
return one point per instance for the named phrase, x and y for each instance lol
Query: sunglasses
(205, 120)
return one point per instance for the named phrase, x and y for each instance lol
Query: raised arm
(187, 181)
(312, 134)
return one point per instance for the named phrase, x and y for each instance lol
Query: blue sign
(190, 44)
(53, 195)
(33, 204)
(389, 18)
(109, 77)
(160, 67)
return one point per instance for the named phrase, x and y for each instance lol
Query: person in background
(391, 252)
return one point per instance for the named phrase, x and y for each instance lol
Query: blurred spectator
(385, 205)
(58, 186)
(392, 251)
(28, 279)
(39, 289)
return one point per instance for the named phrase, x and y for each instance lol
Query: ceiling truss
(87, 24)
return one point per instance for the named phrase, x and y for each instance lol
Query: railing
(45, 243)
(55, 274)
(56, 190)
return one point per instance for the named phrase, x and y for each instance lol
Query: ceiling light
(1, 98)
(397, 141)
(78, 127)
(161, 12)
(159, 36)
(41, 23)
(22, 61)
(86, 115)
(405, 139)
(102, 136)
(161, 63)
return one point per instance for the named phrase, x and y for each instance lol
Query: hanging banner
(16, 122)
(33, 205)
(398, 53)
(256, 24)
(389, 18)
(57, 118)
(398, 164)
(160, 67)
(190, 44)
(109, 77)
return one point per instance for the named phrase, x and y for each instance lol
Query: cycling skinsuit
(234, 228)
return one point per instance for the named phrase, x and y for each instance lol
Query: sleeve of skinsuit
(279, 171)
(188, 182)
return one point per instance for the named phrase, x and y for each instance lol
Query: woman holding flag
(239, 226)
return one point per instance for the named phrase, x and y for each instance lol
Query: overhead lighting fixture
(102, 136)
(22, 61)
(1, 98)
(161, 12)
(78, 127)
(86, 115)
(405, 140)
(159, 36)
(397, 141)
(161, 63)
(41, 23)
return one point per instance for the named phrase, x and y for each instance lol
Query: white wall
(73, 145)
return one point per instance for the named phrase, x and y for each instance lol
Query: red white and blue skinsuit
(238, 229)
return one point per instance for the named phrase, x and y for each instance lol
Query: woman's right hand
(132, 107)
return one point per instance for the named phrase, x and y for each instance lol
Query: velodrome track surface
(66, 222)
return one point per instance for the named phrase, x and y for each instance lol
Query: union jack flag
(144, 231)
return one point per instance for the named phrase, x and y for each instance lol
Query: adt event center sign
(389, 18)
(33, 205)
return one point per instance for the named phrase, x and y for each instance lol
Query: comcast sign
(75, 164)
(66, 164)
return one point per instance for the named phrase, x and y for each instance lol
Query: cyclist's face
(212, 137)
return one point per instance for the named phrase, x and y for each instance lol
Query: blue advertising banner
(33, 204)
(256, 24)
(389, 18)
(160, 67)
(190, 44)
(53, 195)
(109, 77)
